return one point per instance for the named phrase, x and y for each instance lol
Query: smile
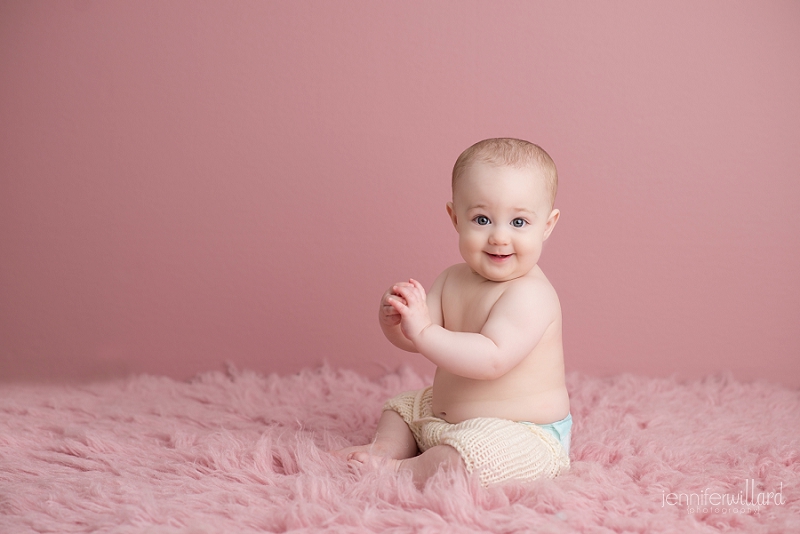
(499, 257)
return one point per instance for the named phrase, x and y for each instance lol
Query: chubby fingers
(393, 289)
(395, 307)
(411, 293)
(391, 299)
(391, 292)
(390, 314)
(417, 285)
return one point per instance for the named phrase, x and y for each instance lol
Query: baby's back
(533, 390)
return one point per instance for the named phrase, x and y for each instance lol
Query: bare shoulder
(532, 291)
(454, 274)
(458, 269)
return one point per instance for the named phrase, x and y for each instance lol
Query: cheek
(529, 246)
(471, 240)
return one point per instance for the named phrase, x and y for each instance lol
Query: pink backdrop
(188, 183)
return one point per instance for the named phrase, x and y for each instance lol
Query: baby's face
(502, 215)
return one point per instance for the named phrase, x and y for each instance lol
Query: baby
(492, 326)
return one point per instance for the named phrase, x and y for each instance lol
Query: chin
(498, 278)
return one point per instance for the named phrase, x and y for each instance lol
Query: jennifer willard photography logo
(745, 502)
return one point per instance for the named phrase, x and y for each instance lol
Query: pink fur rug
(240, 452)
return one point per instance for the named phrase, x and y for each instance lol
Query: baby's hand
(389, 315)
(412, 307)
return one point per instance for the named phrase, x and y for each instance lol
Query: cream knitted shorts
(498, 449)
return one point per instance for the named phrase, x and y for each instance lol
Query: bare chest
(467, 301)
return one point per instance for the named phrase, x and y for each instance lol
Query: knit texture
(497, 449)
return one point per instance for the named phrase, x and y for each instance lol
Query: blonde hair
(510, 152)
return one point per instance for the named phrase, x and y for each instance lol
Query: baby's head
(506, 151)
(502, 207)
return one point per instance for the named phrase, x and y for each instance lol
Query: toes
(359, 457)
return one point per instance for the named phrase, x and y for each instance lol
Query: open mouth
(499, 257)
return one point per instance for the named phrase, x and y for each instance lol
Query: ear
(551, 223)
(451, 211)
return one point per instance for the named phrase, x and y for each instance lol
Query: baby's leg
(426, 465)
(393, 440)
(394, 445)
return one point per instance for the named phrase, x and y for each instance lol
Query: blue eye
(482, 220)
(518, 223)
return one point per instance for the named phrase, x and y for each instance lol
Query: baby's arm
(514, 327)
(390, 318)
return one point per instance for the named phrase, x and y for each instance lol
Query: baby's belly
(456, 399)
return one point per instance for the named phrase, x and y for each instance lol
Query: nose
(499, 236)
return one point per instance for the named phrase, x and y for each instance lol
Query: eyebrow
(484, 206)
(526, 210)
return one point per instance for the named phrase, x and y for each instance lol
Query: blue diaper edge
(561, 430)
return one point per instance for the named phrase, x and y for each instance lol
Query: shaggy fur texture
(239, 452)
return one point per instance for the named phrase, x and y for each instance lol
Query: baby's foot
(372, 456)
(370, 449)
(367, 459)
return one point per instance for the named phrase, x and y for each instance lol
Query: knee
(433, 460)
(446, 456)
